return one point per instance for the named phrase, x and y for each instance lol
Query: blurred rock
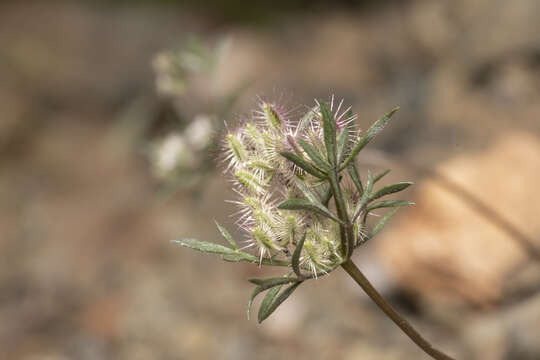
(87, 271)
(444, 250)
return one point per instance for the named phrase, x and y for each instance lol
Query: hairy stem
(403, 324)
(347, 235)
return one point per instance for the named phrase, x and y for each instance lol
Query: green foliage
(228, 254)
(381, 224)
(389, 203)
(303, 229)
(380, 175)
(303, 164)
(374, 129)
(329, 131)
(265, 284)
(314, 155)
(272, 304)
(390, 189)
(365, 196)
(295, 261)
(306, 205)
(227, 236)
(353, 173)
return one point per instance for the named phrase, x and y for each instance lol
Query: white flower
(170, 154)
(199, 132)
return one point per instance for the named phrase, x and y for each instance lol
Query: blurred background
(108, 110)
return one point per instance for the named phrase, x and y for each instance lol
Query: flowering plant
(286, 173)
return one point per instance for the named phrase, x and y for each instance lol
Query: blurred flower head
(182, 151)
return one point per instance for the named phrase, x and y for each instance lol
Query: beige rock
(442, 249)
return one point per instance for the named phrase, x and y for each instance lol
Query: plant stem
(347, 235)
(403, 324)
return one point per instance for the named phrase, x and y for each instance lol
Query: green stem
(346, 229)
(403, 324)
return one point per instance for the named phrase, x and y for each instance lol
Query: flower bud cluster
(263, 178)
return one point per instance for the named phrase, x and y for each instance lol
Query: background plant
(187, 80)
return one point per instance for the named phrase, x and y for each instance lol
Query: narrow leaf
(321, 192)
(380, 176)
(381, 224)
(365, 197)
(227, 236)
(278, 301)
(307, 192)
(314, 154)
(269, 299)
(389, 203)
(370, 134)
(296, 256)
(390, 189)
(329, 131)
(239, 256)
(227, 253)
(353, 172)
(302, 204)
(204, 246)
(342, 142)
(267, 283)
(256, 291)
(325, 199)
(303, 164)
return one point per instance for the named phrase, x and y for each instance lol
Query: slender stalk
(347, 235)
(403, 324)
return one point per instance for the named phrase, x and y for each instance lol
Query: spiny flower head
(263, 178)
(302, 203)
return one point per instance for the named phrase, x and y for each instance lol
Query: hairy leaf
(370, 134)
(267, 283)
(204, 246)
(256, 291)
(227, 236)
(381, 224)
(302, 204)
(353, 172)
(380, 176)
(307, 193)
(303, 164)
(389, 203)
(268, 300)
(227, 253)
(296, 256)
(365, 197)
(390, 189)
(265, 312)
(342, 142)
(325, 199)
(329, 131)
(314, 154)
